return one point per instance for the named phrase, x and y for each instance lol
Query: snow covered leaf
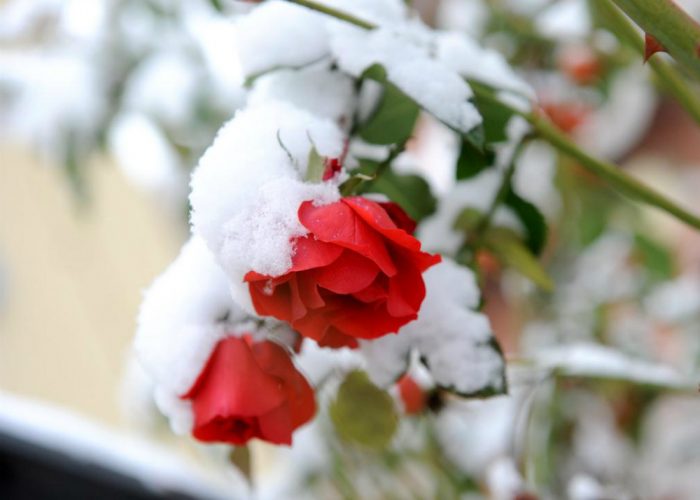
(596, 361)
(363, 413)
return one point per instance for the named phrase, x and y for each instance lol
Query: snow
(464, 56)
(616, 127)
(675, 300)
(593, 360)
(157, 468)
(316, 89)
(43, 110)
(437, 232)
(565, 20)
(249, 184)
(164, 86)
(144, 154)
(534, 177)
(451, 337)
(180, 322)
(278, 34)
(404, 52)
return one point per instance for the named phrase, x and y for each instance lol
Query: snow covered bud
(249, 390)
(356, 275)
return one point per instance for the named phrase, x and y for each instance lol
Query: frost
(249, 184)
(538, 160)
(180, 322)
(452, 338)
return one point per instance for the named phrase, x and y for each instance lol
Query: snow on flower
(182, 317)
(453, 339)
(249, 185)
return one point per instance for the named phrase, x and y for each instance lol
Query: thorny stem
(671, 26)
(610, 172)
(668, 76)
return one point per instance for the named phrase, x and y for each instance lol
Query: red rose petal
(276, 426)
(310, 253)
(308, 290)
(350, 273)
(337, 223)
(374, 215)
(406, 289)
(399, 216)
(277, 303)
(232, 384)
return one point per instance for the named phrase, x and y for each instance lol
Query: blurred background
(105, 106)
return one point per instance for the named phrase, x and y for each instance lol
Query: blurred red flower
(249, 390)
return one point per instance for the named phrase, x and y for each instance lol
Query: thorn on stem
(651, 46)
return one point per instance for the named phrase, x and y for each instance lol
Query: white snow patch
(248, 186)
(180, 322)
(450, 335)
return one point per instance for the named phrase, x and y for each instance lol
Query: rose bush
(249, 390)
(356, 275)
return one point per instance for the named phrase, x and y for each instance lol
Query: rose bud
(249, 390)
(356, 275)
(412, 395)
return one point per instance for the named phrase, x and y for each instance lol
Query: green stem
(668, 76)
(545, 129)
(338, 14)
(671, 26)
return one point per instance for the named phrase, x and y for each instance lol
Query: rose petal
(310, 253)
(399, 216)
(337, 223)
(276, 303)
(233, 385)
(276, 426)
(350, 273)
(374, 215)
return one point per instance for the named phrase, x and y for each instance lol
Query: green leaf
(495, 117)
(315, 166)
(362, 413)
(468, 219)
(393, 120)
(506, 245)
(656, 258)
(410, 191)
(532, 219)
(472, 160)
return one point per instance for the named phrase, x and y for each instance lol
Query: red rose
(358, 274)
(249, 389)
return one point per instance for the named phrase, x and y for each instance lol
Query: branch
(671, 26)
(668, 76)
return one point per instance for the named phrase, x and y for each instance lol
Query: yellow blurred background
(71, 278)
